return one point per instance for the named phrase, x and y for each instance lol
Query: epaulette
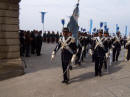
(60, 40)
(72, 39)
(128, 43)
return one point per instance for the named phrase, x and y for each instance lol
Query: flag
(43, 15)
(73, 23)
(94, 30)
(91, 25)
(63, 22)
(101, 24)
(117, 28)
(126, 30)
(105, 27)
(81, 29)
(84, 30)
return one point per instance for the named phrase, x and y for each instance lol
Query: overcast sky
(111, 11)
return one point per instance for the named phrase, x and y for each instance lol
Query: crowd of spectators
(51, 37)
(31, 41)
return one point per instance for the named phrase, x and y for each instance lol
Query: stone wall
(10, 62)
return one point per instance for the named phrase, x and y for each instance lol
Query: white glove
(52, 55)
(110, 51)
(113, 46)
(83, 48)
(90, 51)
(107, 55)
(73, 58)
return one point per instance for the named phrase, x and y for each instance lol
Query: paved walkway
(43, 79)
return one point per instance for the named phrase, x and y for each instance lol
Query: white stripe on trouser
(109, 61)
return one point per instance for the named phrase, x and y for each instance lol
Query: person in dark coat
(107, 46)
(99, 55)
(33, 43)
(128, 50)
(82, 45)
(93, 44)
(57, 37)
(27, 43)
(125, 41)
(44, 37)
(116, 49)
(52, 37)
(39, 41)
(48, 37)
(68, 48)
(78, 61)
(22, 42)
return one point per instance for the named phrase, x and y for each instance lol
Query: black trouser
(78, 61)
(27, 48)
(33, 48)
(124, 45)
(128, 54)
(116, 53)
(65, 68)
(66, 58)
(98, 65)
(84, 54)
(22, 50)
(38, 50)
(105, 63)
(93, 57)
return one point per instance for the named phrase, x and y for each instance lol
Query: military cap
(66, 30)
(100, 31)
(106, 33)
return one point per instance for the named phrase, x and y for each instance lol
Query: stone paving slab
(43, 79)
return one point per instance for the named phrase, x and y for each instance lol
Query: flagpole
(78, 1)
(126, 31)
(63, 22)
(43, 29)
(43, 15)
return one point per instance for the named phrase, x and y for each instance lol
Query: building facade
(10, 62)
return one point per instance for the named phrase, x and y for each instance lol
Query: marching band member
(83, 41)
(107, 46)
(99, 54)
(68, 47)
(81, 48)
(116, 49)
(128, 49)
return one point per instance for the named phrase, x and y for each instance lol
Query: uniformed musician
(128, 49)
(68, 48)
(99, 54)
